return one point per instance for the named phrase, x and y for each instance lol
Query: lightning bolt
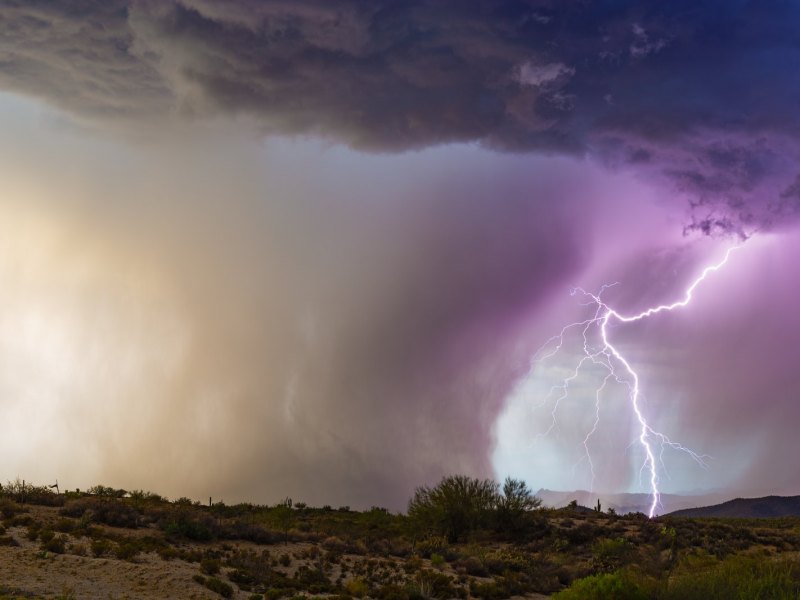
(607, 356)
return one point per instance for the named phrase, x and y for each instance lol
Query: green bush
(737, 578)
(437, 560)
(514, 507)
(608, 586)
(611, 555)
(457, 506)
(190, 524)
(357, 587)
(217, 585)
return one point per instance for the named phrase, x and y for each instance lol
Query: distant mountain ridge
(747, 508)
(624, 503)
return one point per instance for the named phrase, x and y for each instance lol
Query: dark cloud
(78, 55)
(703, 93)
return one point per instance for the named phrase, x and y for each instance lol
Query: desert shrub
(101, 547)
(45, 535)
(607, 586)
(189, 555)
(90, 531)
(313, 580)
(67, 593)
(401, 548)
(127, 550)
(610, 555)
(106, 492)
(30, 494)
(167, 553)
(502, 561)
(457, 506)
(357, 587)
(240, 530)
(115, 513)
(64, 525)
(391, 591)
(33, 532)
(9, 508)
(334, 544)
(245, 580)
(431, 545)
(252, 569)
(512, 515)
(56, 544)
(581, 534)
(474, 566)
(189, 524)
(487, 590)
(437, 560)
(18, 520)
(737, 578)
(432, 584)
(209, 566)
(220, 587)
(7, 540)
(141, 496)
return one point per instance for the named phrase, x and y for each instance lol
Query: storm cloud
(257, 249)
(701, 93)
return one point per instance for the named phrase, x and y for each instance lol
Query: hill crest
(764, 507)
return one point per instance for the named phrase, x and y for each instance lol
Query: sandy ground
(28, 572)
(24, 571)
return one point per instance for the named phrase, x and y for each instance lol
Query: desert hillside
(455, 542)
(748, 508)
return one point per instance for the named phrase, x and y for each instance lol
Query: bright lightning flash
(618, 368)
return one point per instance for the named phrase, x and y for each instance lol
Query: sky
(252, 250)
